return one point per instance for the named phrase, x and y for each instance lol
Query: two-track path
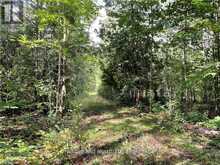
(121, 135)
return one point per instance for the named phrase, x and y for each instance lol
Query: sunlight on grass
(98, 82)
(106, 126)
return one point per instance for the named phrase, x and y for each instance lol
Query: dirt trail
(111, 128)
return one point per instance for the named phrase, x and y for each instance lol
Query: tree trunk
(61, 87)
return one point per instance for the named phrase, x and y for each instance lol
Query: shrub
(14, 151)
(54, 145)
(77, 125)
(196, 116)
(142, 107)
(213, 123)
(171, 121)
(158, 108)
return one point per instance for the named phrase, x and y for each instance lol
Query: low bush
(213, 123)
(171, 121)
(196, 116)
(15, 152)
(158, 108)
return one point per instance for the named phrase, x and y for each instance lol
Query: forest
(109, 82)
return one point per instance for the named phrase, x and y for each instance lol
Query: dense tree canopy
(166, 48)
(38, 61)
